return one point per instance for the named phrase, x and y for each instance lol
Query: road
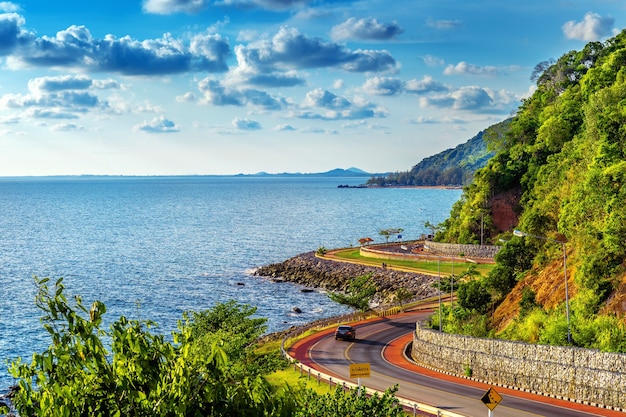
(380, 343)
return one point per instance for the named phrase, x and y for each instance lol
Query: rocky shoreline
(312, 272)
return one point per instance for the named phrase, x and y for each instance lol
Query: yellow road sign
(359, 370)
(491, 398)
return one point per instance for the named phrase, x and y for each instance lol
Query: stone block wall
(468, 251)
(578, 374)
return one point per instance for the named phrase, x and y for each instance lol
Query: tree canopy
(563, 154)
(209, 367)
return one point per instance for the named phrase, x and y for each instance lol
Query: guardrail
(408, 404)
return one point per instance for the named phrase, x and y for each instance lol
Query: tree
(358, 294)
(386, 233)
(208, 369)
(353, 403)
(473, 295)
(142, 374)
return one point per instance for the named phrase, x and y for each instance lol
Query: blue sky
(176, 87)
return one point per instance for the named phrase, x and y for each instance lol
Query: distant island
(337, 172)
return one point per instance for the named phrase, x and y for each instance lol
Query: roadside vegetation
(559, 170)
(211, 366)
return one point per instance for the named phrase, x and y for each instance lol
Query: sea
(151, 248)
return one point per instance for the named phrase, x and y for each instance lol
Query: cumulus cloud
(187, 97)
(365, 29)
(245, 124)
(6, 6)
(290, 49)
(383, 86)
(472, 99)
(157, 125)
(433, 61)
(195, 6)
(592, 28)
(320, 104)
(76, 48)
(325, 99)
(391, 86)
(463, 68)
(11, 33)
(59, 97)
(218, 94)
(424, 86)
(284, 128)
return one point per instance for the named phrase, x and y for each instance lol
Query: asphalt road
(380, 344)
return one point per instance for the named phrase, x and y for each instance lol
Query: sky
(221, 87)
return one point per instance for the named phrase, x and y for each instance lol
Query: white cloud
(473, 99)
(592, 28)
(383, 86)
(367, 29)
(245, 124)
(433, 61)
(463, 68)
(187, 97)
(426, 85)
(157, 125)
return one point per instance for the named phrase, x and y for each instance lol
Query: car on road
(345, 332)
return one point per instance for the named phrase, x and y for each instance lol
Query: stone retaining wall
(583, 375)
(468, 251)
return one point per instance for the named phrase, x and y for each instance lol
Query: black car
(345, 332)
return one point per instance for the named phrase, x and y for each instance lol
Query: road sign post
(358, 371)
(491, 399)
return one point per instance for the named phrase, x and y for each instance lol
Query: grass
(445, 267)
(293, 378)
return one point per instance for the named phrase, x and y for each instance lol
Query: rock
(296, 310)
(312, 272)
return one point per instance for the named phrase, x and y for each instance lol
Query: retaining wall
(469, 251)
(577, 374)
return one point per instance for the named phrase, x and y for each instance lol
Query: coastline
(308, 270)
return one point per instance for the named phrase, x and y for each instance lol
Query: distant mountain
(452, 167)
(337, 172)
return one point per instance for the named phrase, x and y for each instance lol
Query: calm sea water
(152, 248)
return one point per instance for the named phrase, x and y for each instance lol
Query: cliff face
(310, 271)
(505, 210)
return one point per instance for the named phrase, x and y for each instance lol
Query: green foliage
(387, 233)
(473, 295)
(512, 261)
(142, 374)
(451, 167)
(353, 403)
(460, 320)
(321, 250)
(529, 327)
(402, 295)
(359, 293)
(528, 302)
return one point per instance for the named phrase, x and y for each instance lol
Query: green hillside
(559, 173)
(452, 167)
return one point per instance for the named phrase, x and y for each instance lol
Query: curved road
(381, 342)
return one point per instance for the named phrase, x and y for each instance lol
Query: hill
(452, 167)
(337, 172)
(558, 175)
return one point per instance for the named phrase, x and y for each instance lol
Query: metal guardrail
(405, 402)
